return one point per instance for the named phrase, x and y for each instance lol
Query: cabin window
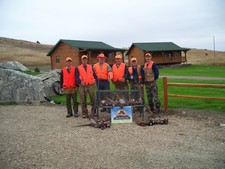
(168, 54)
(110, 55)
(177, 54)
(57, 59)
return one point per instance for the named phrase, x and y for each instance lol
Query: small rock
(222, 125)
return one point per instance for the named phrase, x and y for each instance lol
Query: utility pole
(214, 45)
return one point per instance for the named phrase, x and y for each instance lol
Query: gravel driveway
(40, 136)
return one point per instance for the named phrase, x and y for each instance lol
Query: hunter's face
(134, 63)
(84, 60)
(101, 60)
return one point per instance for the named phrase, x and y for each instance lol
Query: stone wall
(20, 87)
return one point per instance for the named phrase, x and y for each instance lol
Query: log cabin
(76, 48)
(162, 53)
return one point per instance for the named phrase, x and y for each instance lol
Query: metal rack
(110, 98)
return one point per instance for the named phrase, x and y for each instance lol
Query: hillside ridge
(35, 54)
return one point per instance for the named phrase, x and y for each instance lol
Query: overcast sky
(119, 23)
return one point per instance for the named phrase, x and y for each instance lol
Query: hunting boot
(103, 109)
(85, 114)
(76, 114)
(69, 115)
(93, 112)
(157, 109)
(69, 111)
(151, 106)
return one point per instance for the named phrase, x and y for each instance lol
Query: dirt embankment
(25, 52)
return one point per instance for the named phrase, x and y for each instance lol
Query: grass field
(207, 71)
(194, 70)
(194, 91)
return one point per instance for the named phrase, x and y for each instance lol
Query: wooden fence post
(165, 93)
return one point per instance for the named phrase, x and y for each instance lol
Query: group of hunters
(86, 77)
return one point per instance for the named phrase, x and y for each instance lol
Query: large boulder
(49, 78)
(13, 65)
(20, 87)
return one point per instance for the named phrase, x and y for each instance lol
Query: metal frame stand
(110, 98)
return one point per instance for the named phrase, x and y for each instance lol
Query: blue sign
(121, 114)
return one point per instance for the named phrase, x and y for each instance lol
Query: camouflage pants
(71, 93)
(152, 94)
(134, 95)
(121, 86)
(84, 90)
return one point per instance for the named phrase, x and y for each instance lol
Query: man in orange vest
(69, 86)
(120, 73)
(104, 73)
(86, 80)
(136, 78)
(151, 75)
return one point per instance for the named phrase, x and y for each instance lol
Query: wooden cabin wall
(62, 52)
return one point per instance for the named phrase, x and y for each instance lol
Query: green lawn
(194, 91)
(30, 72)
(194, 70)
(207, 71)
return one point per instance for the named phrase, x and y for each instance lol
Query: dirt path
(42, 137)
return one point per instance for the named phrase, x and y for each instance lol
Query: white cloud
(188, 23)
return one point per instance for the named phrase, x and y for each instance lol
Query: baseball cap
(118, 57)
(148, 55)
(84, 56)
(68, 59)
(101, 56)
(133, 59)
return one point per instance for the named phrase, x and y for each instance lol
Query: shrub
(37, 69)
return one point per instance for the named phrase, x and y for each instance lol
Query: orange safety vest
(86, 76)
(69, 78)
(101, 73)
(130, 70)
(149, 74)
(118, 72)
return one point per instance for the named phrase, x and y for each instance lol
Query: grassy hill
(28, 53)
(33, 55)
(206, 57)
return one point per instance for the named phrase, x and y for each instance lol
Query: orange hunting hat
(101, 56)
(84, 56)
(68, 59)
(118, 56)
(133, 59)
(148, 55)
